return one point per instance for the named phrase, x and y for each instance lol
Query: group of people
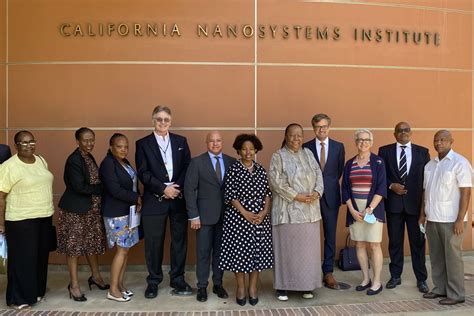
(246, 220)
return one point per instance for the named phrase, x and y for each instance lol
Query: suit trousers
(329, 217)
(208, 250)
(396, 235)
(28, 252)
(447, 265)
(154, 229)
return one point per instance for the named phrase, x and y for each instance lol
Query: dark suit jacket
(5, 153)
(378, 186)
(118, 194)
(203, 191)
(152, 172)
(410, 202)
(78, 195)
(332, 171)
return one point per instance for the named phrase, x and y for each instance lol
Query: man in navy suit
(162, 159)
(5, 153)
(205, 203)
(330, 156)
(405, 164)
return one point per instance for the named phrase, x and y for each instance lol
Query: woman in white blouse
(297, 185)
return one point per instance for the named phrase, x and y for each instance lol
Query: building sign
(270, 31)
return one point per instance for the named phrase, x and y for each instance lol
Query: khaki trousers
(447, 265)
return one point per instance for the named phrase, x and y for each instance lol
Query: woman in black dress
(80, 226)
(247, 239)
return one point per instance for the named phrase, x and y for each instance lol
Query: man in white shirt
(447, 184)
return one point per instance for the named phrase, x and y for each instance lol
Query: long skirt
(297, 250)
(28, 242)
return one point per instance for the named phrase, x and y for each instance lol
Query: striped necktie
(402, 169)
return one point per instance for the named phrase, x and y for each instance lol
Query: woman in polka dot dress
(247, 239)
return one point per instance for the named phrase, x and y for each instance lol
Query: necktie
(402, 169)
(218, 169)
(322, 159)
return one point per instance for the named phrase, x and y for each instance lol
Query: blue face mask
(370, 218)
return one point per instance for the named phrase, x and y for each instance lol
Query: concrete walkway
(404, 300)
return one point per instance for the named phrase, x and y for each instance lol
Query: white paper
(3, 247)
(133, 217)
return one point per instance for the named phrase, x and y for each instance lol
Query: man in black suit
(330, 156)
(205, 203)
(405, 163)
(5, 153)
(162, 159)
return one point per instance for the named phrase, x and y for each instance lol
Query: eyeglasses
(321, 127)
(162, 120)
(30, 143)
(363, 140)
(403, 130)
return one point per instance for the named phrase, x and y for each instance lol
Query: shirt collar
(449, 156)
(160, 138)
(326, 141)
(407, 144)
(212, 155)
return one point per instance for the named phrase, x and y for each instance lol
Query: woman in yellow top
(26, 210)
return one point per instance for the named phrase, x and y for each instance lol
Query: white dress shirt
(442, 181)
(164, 144)
(318, 148)
(407, 155)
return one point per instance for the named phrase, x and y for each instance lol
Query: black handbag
(348, 257)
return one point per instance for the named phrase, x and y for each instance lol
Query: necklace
(248, 168)
(165, 150)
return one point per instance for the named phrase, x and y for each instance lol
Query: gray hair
(363, 130)
(161, 108)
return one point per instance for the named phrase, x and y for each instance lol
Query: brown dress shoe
(450, 301)
(330, 281)
(432, 295)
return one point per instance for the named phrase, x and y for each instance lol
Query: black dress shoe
(220, 291)
(393, 282)
(241, 301)
(201, 294)
(375, 292)
(360, 287)
(181, 288)
(253, 300)
(432, 295)
(151, 291)
(422, 287)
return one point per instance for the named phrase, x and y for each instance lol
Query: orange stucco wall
(52, 84)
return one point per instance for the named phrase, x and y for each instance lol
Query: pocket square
(180, 148)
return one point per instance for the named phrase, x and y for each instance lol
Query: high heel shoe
(241, 301)
(81, 298)
(253, 300)
(92, 282)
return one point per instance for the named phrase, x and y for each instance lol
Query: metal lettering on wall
(232, 31)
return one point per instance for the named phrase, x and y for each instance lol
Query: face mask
(370, 218)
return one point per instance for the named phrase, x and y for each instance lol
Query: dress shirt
(164, 145)
(407, 155)
(214, 161)
(318, 148)
(442, 181)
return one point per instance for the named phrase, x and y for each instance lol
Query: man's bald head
(214, 142)
(442, 142)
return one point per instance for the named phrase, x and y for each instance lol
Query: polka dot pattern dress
(246, 247)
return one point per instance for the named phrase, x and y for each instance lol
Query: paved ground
(404, 300)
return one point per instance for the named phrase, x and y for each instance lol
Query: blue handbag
(348, 257)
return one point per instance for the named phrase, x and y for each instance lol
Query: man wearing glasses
(405, 163)
(330, 156)
(162, 159)
(5, 153)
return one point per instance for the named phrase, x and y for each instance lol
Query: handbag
(348, 257)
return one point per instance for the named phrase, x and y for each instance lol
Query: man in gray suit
(204, 195)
